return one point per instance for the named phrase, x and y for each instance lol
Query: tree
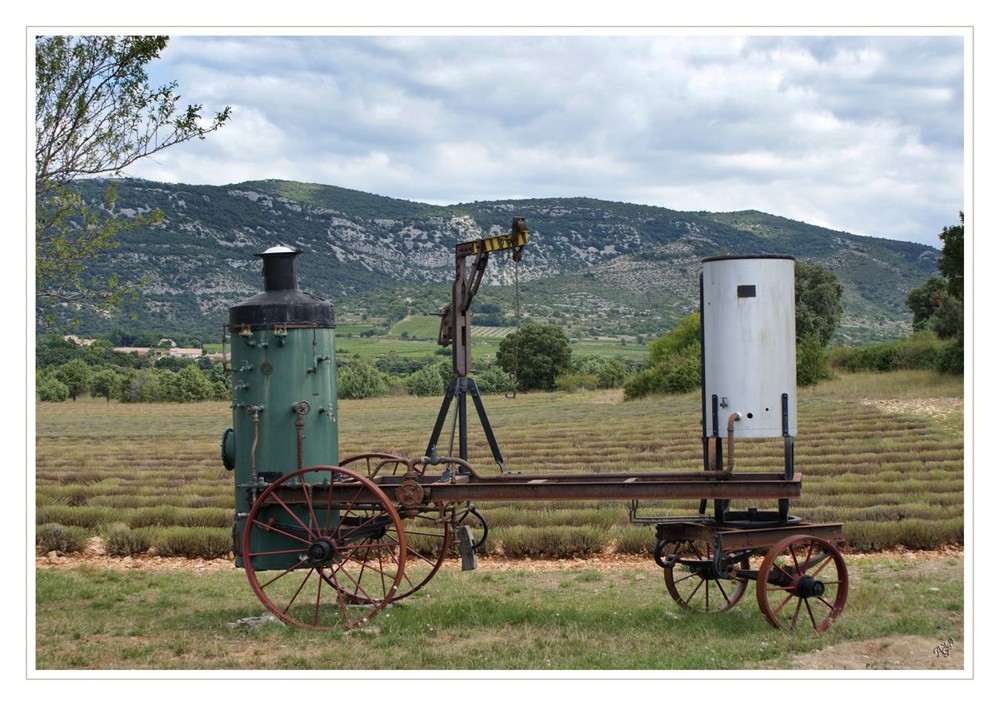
(49, 389)
(425, 381)
(673, 364)
(952, 262)
(684, 338)
(925, 300)
(95, 115)
(938, 303)
(356, 381)
(537, 354)
(192, 385)
(76, 376)
(818, 307)
(106, 383)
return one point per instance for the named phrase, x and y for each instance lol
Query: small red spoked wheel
(694, 583)
(802, 581)
(324, 548)
(428, 532)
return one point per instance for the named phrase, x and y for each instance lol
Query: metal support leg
(457, 391)
(449, 395)
(487, 428)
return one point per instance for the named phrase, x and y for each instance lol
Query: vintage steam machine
(328, 542)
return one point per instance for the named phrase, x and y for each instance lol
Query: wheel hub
(321, 550)
(808, 587)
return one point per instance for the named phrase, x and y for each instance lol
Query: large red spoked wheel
(324, 548)
(802, 581)
(428, 532)
(693, 582)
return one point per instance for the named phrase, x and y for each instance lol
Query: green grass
(419, 327)
(553, 619)
(416, 337)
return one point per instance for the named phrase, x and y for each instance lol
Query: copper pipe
(253, 446)
(299, 424)
(730, 433)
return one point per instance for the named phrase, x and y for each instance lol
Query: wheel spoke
(426, 547)
(696, 589)
(282, 574)
(270, 528)
(722, 590)
(813, 573)
(291, 514)
(343, 550)
(693, 561)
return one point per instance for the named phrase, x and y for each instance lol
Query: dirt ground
(889, 653)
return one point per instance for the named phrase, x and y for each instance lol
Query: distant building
(160, 352)
(185, 352)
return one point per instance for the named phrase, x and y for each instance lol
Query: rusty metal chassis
(732, 544)
(419, 492)
(413, 491)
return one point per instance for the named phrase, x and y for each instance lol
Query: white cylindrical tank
(748, 345)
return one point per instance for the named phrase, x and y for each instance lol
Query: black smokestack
(279, 268)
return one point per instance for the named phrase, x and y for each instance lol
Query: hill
(595, 267)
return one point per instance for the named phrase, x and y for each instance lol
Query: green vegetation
(572, 617)
(938, 305)
(674, 363)
(535, 355)
(818, 303)
(148, 477)
(892, 471)
(54, 537)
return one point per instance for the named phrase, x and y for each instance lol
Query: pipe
(255, 411)
(730, 433)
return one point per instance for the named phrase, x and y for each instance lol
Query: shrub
(360, 381)
(50, 389)
(572, 382)
(194, 542)
(122, 540)
(679, 374)
(683, 339)
(951, 358)
(493, 380)
(141, 386)
(425, 382)
(609, 372)
(813, 362)
(60, 538)
(152, 516)
(880, 358)
(634, 539)
(84, 516)
(555, 541)
(191, 386)
(871, 535)
(919, 352)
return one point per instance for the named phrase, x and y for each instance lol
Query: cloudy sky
(862, 133)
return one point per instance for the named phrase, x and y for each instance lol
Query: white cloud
(865, 132)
